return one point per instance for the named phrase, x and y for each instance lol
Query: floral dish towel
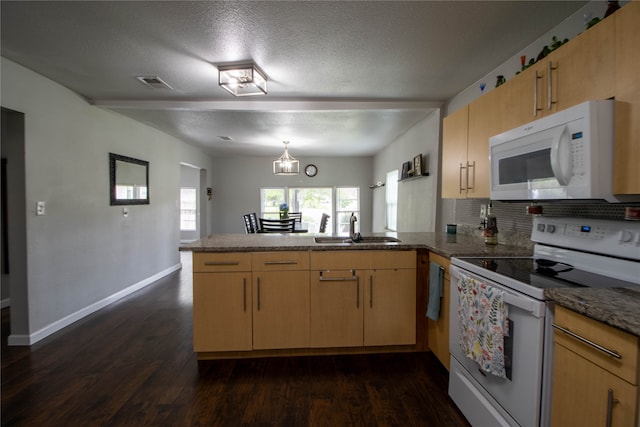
(484, 324)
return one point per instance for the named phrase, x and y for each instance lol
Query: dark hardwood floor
(132, 364)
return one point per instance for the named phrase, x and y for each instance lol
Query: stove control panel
(608, 237)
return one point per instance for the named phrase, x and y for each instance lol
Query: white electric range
(569, 252)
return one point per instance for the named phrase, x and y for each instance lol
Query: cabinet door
(523, 101)
(337, 308)
(627, 91)
(221, 311)
(280, 309)
(582, 69)
(390, 307)
(484, 122)
(581, 393)
(455, 129)
(438, 331)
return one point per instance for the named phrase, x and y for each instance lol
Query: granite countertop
(617, 307)
(448, 245)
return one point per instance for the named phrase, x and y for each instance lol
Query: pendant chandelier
(285, 164)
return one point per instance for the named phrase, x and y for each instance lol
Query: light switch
(40, 208)
(125, 212)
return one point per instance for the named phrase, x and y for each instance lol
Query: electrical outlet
(483, 211)
(40, 208)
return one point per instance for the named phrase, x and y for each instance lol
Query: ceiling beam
(267, 105)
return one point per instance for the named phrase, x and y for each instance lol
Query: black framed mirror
(128, 180)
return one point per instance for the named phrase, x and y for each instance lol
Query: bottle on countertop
(490, 231)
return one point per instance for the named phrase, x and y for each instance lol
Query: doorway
(14, 235)
(192, 203)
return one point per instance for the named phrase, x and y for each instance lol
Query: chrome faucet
(352, 228)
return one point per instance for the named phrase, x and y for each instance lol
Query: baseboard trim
(17, 340)
(5, 303)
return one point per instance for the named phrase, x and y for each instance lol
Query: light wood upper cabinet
(627, 90)
(578, 71)
(465, 146)
(589, 385)
(583, 69)
(438, 331)
(455, 135)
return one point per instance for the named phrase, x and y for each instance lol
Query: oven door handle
(534, 307)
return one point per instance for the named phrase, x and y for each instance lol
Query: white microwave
(565, 156)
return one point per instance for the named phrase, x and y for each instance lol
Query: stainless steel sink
(364, 239)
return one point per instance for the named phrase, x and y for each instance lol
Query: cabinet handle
(610, 401)
(469, 166)
(535, 94)
(460, 178)
(258, 294)
(358, 292)
(222, 263)
(611, 353)
(244, 294)
(550, 68)
(280, 262)
(371, 291)
(338, 279)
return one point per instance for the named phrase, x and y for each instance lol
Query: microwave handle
(561, 162)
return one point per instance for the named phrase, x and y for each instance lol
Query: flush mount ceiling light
(242, 80)
(286, 165)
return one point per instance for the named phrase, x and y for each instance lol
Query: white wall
(84, 252)
(417, 199)
(237, 182)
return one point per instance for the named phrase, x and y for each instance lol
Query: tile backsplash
(514, 224)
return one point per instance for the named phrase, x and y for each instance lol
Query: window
(391, 201)
(347, 202)
(313, 202)
(188, 206)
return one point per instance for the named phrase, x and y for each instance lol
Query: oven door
(482, 396)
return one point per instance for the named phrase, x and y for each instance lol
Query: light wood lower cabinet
(390, 306)
(590, 386)
(222, 314)
(274, 302)
(438, 331)
(337, 313)
(355, 304)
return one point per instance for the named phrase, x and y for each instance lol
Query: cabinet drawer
(393, 259)
(279, 261)
(209, 262)
(341, 260)
(622, 343)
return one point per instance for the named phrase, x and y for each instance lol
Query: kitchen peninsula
(278, 294)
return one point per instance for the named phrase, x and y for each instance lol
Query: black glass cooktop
(543, 273)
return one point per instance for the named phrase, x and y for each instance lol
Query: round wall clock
(311, 170)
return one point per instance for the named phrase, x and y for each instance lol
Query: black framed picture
(417, 165)
(406, 167)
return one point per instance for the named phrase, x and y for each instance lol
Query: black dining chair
(297, 216)
(285, 225)
(251, 223)
(323, 222)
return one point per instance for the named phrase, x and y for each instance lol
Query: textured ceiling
(345, 77)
